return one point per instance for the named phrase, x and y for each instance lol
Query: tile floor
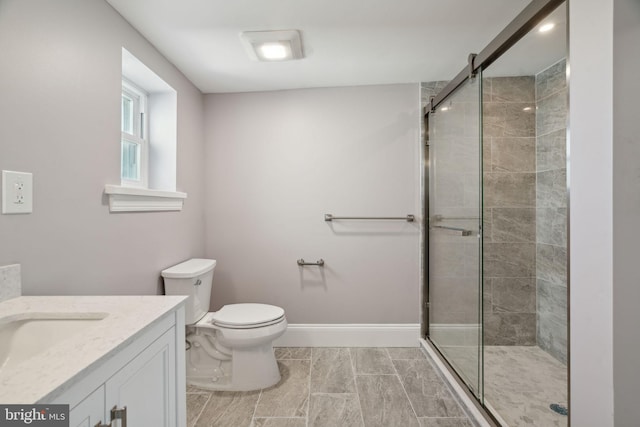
(520, 382)
(334, 387)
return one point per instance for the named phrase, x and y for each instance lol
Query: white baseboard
(350, 335)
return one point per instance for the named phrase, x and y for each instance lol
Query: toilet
(232, 348)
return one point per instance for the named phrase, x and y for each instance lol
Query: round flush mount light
(547, 27)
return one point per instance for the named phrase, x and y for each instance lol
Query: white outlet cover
(17, 192)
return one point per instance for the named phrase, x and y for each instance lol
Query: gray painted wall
(60, 119)
(276, 162)
(626, 212)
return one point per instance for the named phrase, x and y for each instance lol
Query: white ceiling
(346, 42)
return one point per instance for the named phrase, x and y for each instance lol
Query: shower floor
(520, 382)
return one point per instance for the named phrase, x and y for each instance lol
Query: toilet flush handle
(198, 283)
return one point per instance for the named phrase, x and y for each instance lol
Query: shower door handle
(438, 218)
(462, 231)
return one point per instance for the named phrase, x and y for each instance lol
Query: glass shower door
(455, 242)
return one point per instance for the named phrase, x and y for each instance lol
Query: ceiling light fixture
(281, 45)
(273, 51)
(546, 27)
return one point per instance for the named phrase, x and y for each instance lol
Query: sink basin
(25, 337)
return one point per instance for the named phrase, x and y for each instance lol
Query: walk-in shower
(496, 284)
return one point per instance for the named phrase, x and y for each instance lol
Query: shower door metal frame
(521, 25)
(526, 20)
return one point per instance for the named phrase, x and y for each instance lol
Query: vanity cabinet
(146, 385)
(90, 411)
(147, 377)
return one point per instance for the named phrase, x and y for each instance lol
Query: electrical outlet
(17, 192)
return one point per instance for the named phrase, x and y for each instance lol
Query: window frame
(140, 135)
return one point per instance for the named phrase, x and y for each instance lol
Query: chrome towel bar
(319, 263)
(462, 231)
(408, 218)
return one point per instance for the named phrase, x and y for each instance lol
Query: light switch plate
(17, 192)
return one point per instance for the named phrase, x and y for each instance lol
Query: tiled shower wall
(509, 173)
(509, 226)
(551, 212)
(524, 171)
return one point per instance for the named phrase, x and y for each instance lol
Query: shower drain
(560, 409)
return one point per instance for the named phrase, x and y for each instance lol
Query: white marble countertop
(39, 378)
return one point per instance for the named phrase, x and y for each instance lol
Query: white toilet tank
(193, 278)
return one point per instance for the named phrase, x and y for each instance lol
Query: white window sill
(129, 199)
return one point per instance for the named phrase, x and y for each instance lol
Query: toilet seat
(253, 326)
(243, 316)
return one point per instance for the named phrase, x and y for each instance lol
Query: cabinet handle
(119, 414)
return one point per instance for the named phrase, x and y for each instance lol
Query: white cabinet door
(90, 411)
(146, 385)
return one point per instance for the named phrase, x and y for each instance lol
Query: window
(148, 143)
(134, 141)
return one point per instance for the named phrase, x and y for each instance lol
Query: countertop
(37, 379)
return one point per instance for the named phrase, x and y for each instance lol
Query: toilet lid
(247, 314)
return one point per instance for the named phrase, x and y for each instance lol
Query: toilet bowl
(232, 348)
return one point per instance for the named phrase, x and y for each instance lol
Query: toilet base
(233, 359)
(252, 369)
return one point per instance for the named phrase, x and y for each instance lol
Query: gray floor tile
(384, 402)
(371, 361)
(429, 395)
(521, 382)
(318, 389)
(335, 410)
(331, 371)
(445, 422)
(195, 403)
(284, 353)
(290, 397)
(228, 409)
(405, 353)
(279, 422)
(529, 408)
